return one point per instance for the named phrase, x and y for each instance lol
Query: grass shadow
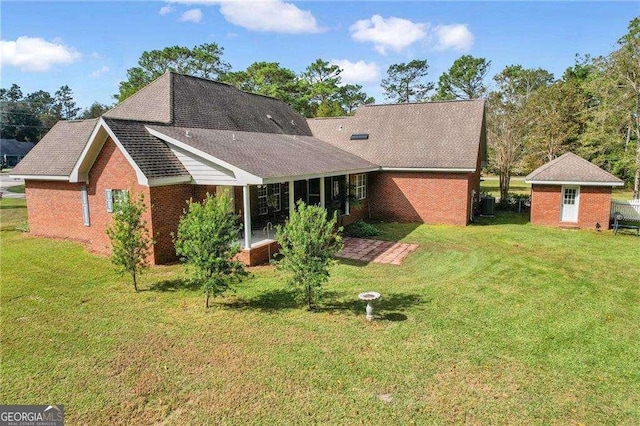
(391, 302)
(175, 285)
(503, 218)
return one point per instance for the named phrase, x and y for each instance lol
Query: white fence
(629, 209)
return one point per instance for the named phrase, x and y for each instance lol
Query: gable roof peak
(570, 168)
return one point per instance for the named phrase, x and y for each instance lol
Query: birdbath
(369, 297)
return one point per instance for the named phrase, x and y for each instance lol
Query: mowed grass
(499, 322)
(491, 184)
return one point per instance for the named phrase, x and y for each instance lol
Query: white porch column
(246, 204)
(322, 192)
(292, 197)
(347, 207)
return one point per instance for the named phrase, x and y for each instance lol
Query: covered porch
(262, 207)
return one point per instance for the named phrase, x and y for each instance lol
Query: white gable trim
(242, 176)
(40, 177)
(92, 149)
(575, 183)
(172, 180)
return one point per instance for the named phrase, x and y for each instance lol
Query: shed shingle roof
(268, 155)
(572, 168)
(59, 149)
(422, 135)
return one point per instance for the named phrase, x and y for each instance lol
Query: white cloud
(275, 16)
(388, 33)
(165, 10)
(360, 72)
(191, 15)
(35, 54)
(99, 72)
(455, 37)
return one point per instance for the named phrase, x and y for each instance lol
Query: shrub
(207, 241)
(129, 238)
(361, 229)
(308, 244)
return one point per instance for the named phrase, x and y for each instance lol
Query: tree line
(593, 109)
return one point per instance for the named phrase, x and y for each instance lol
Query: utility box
(487, 206)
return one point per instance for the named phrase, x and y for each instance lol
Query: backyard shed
(571, 192)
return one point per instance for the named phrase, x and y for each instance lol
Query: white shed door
(570, 202)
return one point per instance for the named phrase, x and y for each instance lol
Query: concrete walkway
(376, 251)
(6, 182)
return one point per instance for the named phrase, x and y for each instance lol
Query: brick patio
(376, 251)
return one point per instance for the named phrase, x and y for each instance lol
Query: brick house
(571, 192)
(181, 137)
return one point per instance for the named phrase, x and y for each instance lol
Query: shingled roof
(58, 151)
(435, 135)
(572, 169)
(269, 155)
(193, 102)
(154, 158)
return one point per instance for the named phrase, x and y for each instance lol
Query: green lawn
(18, 189)
(495, 323)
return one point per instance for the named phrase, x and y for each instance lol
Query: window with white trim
(263, 208)
(115, 197)
(361, 186)
(274, 198)
(285, 199)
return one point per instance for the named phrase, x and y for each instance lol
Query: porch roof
(267, 156)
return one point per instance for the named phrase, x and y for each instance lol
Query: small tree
(207, 241)
(308, 244)
(129, 238)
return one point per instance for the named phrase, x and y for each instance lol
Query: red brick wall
(168, 203)
(54, 209)
(420, 197)
(594, 206)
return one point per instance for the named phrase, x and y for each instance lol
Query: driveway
(6, 182)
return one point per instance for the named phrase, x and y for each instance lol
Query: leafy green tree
(44, 106)
(308, 244)
(552, 122)
(12, 94)
(405, 81)
(625, 67)
(270, 79)
(94, 111)
(200, 61)
(506, 120)
(321, 82)
(64, 105)
(19, 122)
(464, 80)
(352, 96)
(129, 237)
(207, 241)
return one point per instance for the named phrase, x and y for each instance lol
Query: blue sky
(90, 45)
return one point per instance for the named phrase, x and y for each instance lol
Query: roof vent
(269, 117)
(186, 133)
(359, 136)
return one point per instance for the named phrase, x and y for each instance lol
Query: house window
(361, 186)
(273, 198)
(263, 208)
(115, 197)
(269, 197)
(285, 200)
(85, 205)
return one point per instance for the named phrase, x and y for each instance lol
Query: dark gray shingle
(152, 155)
